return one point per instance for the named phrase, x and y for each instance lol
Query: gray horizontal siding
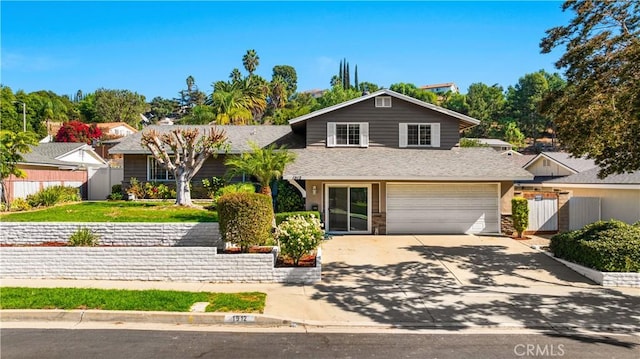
(384, 123)
(136, 166)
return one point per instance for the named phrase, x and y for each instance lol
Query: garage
(443, 208)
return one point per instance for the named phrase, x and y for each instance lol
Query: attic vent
(383, 101)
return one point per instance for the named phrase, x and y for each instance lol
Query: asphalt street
(65, 343)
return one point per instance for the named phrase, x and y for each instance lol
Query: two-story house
(380, 163)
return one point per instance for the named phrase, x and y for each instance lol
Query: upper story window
(546, 162)
(347, 134)
(383, 101)
(419, 135)
(157, 172)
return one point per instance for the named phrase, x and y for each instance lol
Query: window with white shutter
(347, 134)
(419, 135)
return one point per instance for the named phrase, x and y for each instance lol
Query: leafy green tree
(183, 151)
(415, 92)
(87, 108)
(336, 95)
(162, 107)
(119, 106)
(288, 75)
(265, 164)
(485, 103)
(9, 111)
(598, 113)
(250, 61)
(298, 105)
(513, 135)
(455, 102)
(12, 146)
(524, 101)
(368, 87)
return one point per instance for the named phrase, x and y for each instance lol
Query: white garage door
(442, 208)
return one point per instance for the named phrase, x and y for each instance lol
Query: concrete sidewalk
(448, 282)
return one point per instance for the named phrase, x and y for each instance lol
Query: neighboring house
(582, 196)
(496, 144)
(55, 163)
(549, 165)
(614, 197)
(380, 163)
(116, 129)
(441, 88)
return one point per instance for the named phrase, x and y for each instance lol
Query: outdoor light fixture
(314, 190)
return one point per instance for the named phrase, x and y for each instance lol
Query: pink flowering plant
(298, 236)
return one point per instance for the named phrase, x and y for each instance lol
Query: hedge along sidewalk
(119, 299)
(114, 211)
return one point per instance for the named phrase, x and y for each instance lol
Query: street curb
(125, 316)
(261, 320)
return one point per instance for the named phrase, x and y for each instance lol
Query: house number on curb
(239, 318)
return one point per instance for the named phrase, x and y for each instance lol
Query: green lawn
(113, 211)
(143, 300)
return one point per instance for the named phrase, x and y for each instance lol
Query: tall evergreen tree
(355, 79)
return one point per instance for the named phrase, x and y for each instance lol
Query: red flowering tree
(76, 131)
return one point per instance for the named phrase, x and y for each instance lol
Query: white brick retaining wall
(115, 233)
(192, 264)
(605, 279)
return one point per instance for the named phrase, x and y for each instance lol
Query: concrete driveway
(464, 281)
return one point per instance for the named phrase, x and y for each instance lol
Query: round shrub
(299, 235)
(611, 246)
(245, 219)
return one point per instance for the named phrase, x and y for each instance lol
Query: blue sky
(151, 47)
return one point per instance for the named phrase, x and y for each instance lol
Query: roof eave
(401, 178)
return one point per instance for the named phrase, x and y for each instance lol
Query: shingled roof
(591, 177)
(238, 137)
(47, 153)
(380, 163)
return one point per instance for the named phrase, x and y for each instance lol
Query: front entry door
(348, 208)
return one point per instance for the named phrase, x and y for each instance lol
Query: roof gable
(464, 120)
(564, 160)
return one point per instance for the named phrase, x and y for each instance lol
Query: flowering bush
(76, 131)
(298, 236)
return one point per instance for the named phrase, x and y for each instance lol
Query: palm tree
(250, 60)
(265, 164)
(230, 104)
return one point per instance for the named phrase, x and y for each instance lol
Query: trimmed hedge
(281, 217)
(245, 219)
(288, 198)
(520, 214)
(611, 246)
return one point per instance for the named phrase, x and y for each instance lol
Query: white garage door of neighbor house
(443, 208)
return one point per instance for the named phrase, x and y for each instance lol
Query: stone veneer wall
(115, 233)
(192, 264)
(379, 220)
(506, 224)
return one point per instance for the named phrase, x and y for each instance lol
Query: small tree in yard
(12, 146)
(265, 164)
(183, 151)
(520, 211)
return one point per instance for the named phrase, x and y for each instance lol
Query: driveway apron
(464, 281)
